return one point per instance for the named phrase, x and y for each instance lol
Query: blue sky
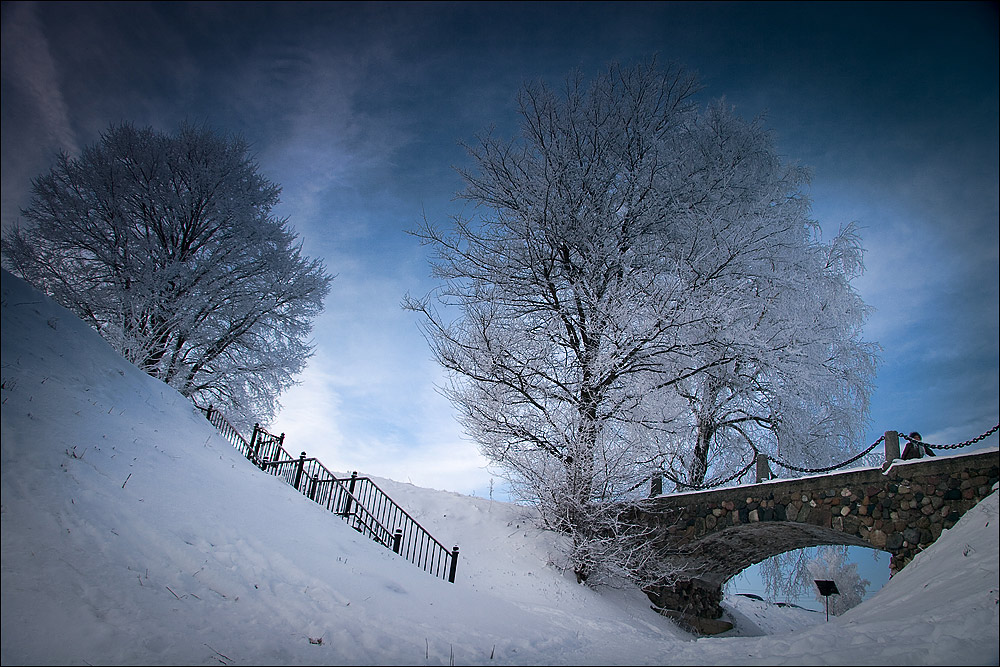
(358, 111)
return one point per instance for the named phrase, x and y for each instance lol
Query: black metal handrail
(357, 500)
(227, 430)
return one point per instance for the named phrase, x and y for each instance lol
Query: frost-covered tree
(167, 245)
(635, 262)
(799, 376)
(786, 371)
(568, 303)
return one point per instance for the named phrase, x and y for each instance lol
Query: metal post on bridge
(763, 469)
(891, 447)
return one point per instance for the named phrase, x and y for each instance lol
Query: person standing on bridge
(915, 449)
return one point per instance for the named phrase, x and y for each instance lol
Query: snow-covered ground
(134, 534)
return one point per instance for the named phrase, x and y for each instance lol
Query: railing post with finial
(350, 493)
(255, 443)
(298, 470)
(454, 564)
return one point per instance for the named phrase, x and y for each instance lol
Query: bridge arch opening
(714, 559)
(722, 555)
(786, 579)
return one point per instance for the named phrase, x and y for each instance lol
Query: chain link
(710, 485)
(956, 445)
(835, 466)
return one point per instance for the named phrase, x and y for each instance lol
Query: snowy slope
(133, 534)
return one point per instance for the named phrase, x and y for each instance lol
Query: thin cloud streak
(29, 65)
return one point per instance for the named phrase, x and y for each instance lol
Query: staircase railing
(357, 500)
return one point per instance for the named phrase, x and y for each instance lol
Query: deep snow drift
(133, 533)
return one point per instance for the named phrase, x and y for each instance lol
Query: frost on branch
(167, 246)
(640, 292)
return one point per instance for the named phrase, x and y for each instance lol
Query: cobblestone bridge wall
(713, 535)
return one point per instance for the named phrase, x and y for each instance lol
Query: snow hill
(133, 534)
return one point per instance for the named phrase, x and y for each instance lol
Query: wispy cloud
(28, 64)
(396, 425)
(37, 106)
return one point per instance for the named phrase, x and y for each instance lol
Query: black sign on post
(826, 589)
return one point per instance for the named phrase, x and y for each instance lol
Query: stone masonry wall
(716, 534)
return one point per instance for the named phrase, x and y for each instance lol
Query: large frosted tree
(628, 258)
(786, 371)
(167, 245)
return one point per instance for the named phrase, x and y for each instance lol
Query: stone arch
(709, 562)
(724, 554)
(872, 565)
(710, 536)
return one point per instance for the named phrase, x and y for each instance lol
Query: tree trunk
(699, 466)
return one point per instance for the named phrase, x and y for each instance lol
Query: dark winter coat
(915, 450)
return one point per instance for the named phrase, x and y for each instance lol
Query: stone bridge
(711, 536)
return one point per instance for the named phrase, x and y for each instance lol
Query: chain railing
(957, 445)
(835, 466)
(357, 500)
(713, 484)
(784, 464)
